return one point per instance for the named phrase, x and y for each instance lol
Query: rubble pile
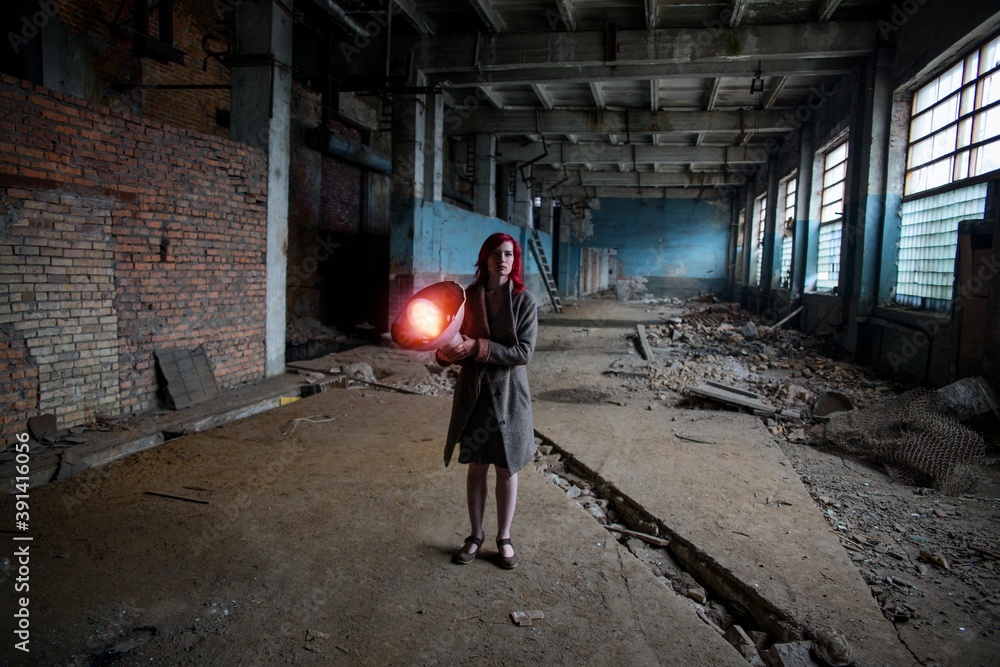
(720, 343)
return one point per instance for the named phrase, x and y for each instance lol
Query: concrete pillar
(545, 215)
(800, 239)
(484, 185)
(772, 236)
(503, 192)
(408, 130)
(261, 115)
(749, 240)
(522, 199)
(863, 228)
(434, 148)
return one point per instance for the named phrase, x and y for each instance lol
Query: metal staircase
(535, 243)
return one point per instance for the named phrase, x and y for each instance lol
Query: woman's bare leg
(476, 486)
(506, 501)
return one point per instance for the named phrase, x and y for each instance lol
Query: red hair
(482, 264)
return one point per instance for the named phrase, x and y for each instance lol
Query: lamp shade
(431, 318)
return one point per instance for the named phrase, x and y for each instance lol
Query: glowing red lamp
(432, 318)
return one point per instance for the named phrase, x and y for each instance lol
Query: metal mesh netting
(915, 443)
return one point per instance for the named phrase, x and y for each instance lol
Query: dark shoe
(463, 558)
(505, 562)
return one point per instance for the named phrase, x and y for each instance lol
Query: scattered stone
(832, 647)
(742, 643)
(758, 637)
(688, 587)
(749, 331)
(719, 614)
(360, 371)
(792, 654)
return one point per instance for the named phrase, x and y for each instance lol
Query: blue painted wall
(447, 240)
(678, 245)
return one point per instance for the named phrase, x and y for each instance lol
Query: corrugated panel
(927, 244)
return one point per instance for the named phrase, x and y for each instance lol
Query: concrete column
(772, 240)
(261, 115)
(408, 127)
(484, 186)
(749, 240)
(545, 215)
(522, 199)
(863, 228)
(503, 192)
(434, 148)
(800, 238)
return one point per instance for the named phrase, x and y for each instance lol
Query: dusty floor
(328, 525)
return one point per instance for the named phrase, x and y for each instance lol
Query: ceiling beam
(674, 52)
(603, 73)
(579, 191)
(735, 10)
(645, 179)
(567, 13)
(602, 153)
(494, 97)
(827, 8)
(772, 97)
(416, 18)
(512, 122)
(713, 94)
(597, 90)
(544, 96)
(488, 15)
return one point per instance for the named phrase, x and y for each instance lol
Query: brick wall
(340, 207)
(120, 236)
(109, 51)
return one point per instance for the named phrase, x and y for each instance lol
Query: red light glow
(425, 318)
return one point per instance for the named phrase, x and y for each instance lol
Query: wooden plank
(647, 351)
(732, 396)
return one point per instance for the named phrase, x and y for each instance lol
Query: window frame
(969, 109)
(831, 193)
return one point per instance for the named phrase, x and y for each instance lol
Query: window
(761, 212)
(928, 240)
(955, 123)
(788, 225)
(831, 218)
(954, 136)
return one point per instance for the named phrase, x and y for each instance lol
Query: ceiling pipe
(352, 150)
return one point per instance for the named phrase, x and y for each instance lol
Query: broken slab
(647, 351)
(779, 561)
(733, 396)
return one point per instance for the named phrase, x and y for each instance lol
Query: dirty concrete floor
(329, 542)
(326, 539)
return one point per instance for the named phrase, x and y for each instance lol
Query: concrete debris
(725, 394)
(792, 654)
(749, 331)
(742, 643)
(630, 289)
(720, 616)
(832, 647)
(687, 586)
(359, 371)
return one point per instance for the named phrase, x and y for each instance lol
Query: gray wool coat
(499, 367)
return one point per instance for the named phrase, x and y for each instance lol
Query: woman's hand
(468, 347)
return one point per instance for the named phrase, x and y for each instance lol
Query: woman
(491, 411)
